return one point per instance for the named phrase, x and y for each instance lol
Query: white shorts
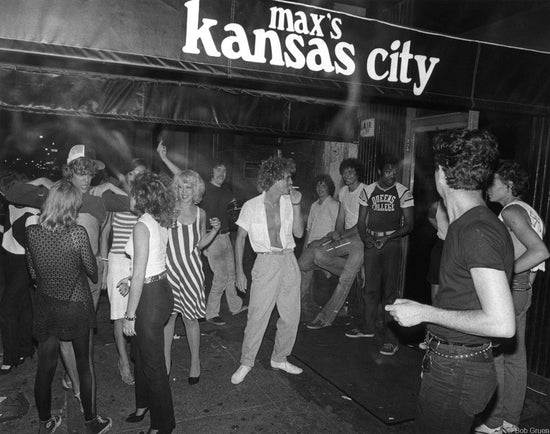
(119, 268)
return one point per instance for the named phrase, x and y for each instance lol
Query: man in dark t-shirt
(220, 252)
(474, 301)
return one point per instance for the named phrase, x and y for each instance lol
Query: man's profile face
(218, 175)
(283, 185)
(388, 175)
(82, 182)
(349, 176)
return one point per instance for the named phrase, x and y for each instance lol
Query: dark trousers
(16, 310)
(152, 383)
(454, 390)
(382, 268)
(48, 351)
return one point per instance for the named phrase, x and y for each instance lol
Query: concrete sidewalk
(266, 402)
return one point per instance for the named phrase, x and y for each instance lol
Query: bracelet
(129, 318)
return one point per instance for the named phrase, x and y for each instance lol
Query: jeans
(511, 368)
(306, 263)
(275, 282)
(454, 390)
(152, 388)
(344, 261)
(16, 310)
(222, 262)
(381, 277)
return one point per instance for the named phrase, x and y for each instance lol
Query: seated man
(343, 255)
(320, 223)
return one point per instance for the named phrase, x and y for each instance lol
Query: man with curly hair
(474, 302)
(343, 255)
(270, 220)
(96, 202)
(509, 187)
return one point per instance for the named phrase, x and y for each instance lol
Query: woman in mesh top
(60, 259)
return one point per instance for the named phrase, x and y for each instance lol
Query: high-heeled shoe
(134, 417)
(193, 380)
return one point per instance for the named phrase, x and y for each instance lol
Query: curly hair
(468, 158)
(386, 159)
(60, 209)
(153, 197)
(80, 166)
(274, 169)
(188, 177)
(352, 163)
(511, 171)
(327, 180)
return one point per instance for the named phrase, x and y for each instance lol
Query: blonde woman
(60, 259)
(187, 237)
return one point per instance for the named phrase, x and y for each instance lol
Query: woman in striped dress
(187, 238)
(118, 267)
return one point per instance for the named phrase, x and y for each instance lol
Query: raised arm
(161, 149)
(32, 193)
(298, 221)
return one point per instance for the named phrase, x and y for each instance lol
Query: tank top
(536, 224)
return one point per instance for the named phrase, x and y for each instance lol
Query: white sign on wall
(367, 128)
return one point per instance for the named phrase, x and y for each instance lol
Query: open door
(420, 176)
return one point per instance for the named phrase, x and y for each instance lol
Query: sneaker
(217, 320)
(50, 425)
(484, 429)
(287, 367)
(508, 428)
(98, 425)
(316, 325)
(389, 349)
(238, 376)
(356, 333)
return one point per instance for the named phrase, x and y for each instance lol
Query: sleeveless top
(536, 224)
(158, 238)
(185, 273)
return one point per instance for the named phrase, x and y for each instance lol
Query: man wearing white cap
(96, 203)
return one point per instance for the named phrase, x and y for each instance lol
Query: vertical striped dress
(184, 266)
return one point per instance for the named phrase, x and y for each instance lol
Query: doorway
(420, 134)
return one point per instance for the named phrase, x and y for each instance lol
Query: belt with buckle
(437, 340)
(276, 252)
(380, 233)
(155, 278)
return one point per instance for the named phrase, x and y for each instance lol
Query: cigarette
(326, 242)
(338, 246)
(295, 186)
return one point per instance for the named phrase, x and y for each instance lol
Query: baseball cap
(83, 151)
